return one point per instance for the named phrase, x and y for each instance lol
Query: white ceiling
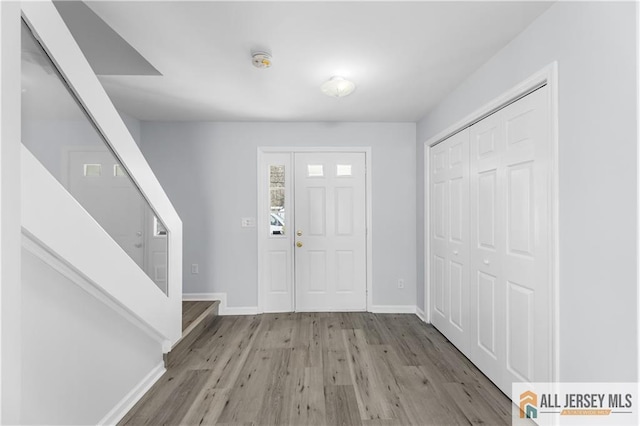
(404, 57)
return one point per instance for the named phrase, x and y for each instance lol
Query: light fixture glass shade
(338, 87)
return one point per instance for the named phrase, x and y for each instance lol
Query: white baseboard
(223, 309)
(122, 408)
(253, 310)
(222, 297)
(240, 310)
(393, 309)
(420, 313)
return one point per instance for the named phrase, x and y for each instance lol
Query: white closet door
(450, 238)
(526, 281)
(486, 210)
(330, 232)
(510, 296)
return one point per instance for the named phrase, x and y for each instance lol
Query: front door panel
(330, 231)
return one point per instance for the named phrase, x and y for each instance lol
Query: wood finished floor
(191, 310)
(321, 369)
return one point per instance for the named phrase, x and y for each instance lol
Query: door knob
(138, 245)
(299, 244)
(299, 233)
(486, 262)
(139, 233)
(455, 252)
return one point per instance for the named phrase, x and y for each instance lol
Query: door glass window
(118, 171)
(92, 169)
(343, 170)
(277, 200)
(315, 170)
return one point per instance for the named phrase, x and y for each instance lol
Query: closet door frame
(547, 76)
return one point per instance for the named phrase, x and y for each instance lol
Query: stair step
(196, 317)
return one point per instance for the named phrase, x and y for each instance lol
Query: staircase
(196, 317)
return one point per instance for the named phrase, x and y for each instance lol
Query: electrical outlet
(400, 283)
(194, 268)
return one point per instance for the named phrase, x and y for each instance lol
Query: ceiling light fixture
(261, 60)
(337, 87)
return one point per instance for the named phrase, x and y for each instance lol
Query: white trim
(10, 206)
(115, 278)
(549, 76)
(35, 247)
(48, 27)
(427, 233)
(393, 309)
(223, 309)
(222, 297)
(239, 310)
(118, 412)
(369, 208)
(638, 193)
(420, 313)
(253, 310)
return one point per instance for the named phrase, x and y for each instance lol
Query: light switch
(194, 268)
(248, 222)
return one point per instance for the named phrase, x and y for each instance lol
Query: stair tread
(192, 310)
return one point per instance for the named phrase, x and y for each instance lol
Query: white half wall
(209, 171)
(80, 359)
(594, 44)
(10, 333)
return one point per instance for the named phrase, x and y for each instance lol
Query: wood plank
(365, 378)
(321, 368)
(191, 311)
(207, 407)
(342, 406)
(474, 407)
(243, 401)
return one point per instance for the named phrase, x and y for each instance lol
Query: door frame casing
(547, 76)
(261, 227)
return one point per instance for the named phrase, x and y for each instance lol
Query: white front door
(312, 229)
(330, 231)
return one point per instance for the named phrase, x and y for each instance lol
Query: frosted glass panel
(315, 170)
(343, 170)
(61, 135)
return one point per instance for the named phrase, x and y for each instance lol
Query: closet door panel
(450, 238)
(486, 219)
(526, 268)
(510, 299)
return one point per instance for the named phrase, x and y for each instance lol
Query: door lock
(299, 233)
(299, 244)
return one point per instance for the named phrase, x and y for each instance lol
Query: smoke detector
(261, 60)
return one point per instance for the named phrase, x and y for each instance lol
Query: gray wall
(594, 44)
(79, 357)
(209, 171)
